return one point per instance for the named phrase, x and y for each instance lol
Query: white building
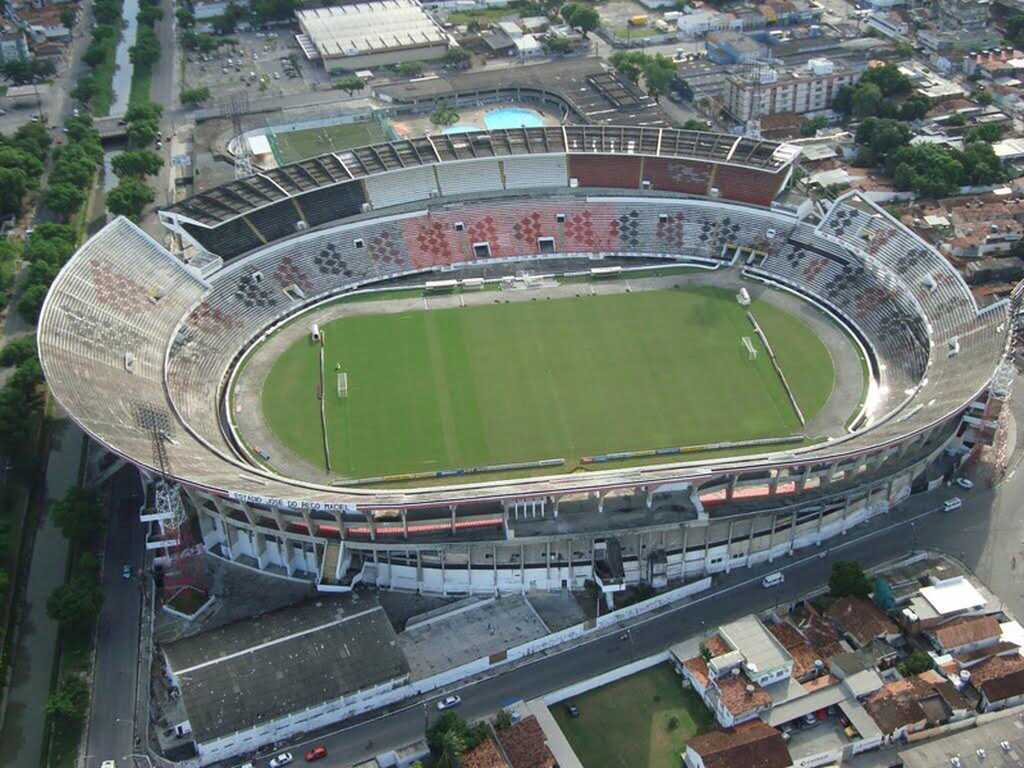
(811, 88)
(368, 35)
(697, 24)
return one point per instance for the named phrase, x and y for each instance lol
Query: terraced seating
(124, 301)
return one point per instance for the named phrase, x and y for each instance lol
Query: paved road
(917, 523)
(110, 731)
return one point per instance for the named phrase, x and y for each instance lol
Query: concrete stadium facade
(140, 348)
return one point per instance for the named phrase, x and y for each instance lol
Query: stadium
(522, 359)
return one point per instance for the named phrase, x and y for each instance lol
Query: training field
(561, 378)
(298, 145)
(629, 723)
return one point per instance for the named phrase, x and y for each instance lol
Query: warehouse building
(267, 678)
(367, 35)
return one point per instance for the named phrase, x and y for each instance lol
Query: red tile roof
(526, 746)
(484, 755)
(999, 677)
(699, 669)
(754, 744)
(971, 629)
(861, 619)
(740, 695)
(803, 653)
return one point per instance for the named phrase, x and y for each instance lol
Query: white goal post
(342, 381)
(751, 349)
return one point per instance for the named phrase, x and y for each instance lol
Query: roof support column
(728, 547)
(821, 523)
(368, 514)
(771, 539)
(405, 524)
(686, 535)
(792, 531)
(451, 508)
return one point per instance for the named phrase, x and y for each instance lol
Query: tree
(34, 139)
(146, 51)
(581, 17)
(695, 125)
(31, 302)
(273, 10)
(458, 58)
(194, 96)
(989, 132)
(453, 745)
(185, 17)
(848, 580)
(866, 100)
(502, 719)
(557, 46)
(12, 157)
(13, 185)
(18, 350)
(143, 132)
(981, 165)
(882, 594)
(64, 199)
(659, 72)
(79, 515)
(811, 127)
(888, 79)
(915, 664)
(915, 108)
(68, 17)
(75, 605)
(70, 701)
(350, 84)
(129, 198)
(444, 116)
(629, 64)
(138, 163)
(410, 69)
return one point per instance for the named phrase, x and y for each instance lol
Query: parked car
(573, 710)
(283, 759)
(950, 504)
(126, 571)
(963, 482)
(448, 702)
(316, 753)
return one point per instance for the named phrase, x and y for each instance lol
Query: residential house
(906, 706)
(484, 755)
(525, 745)
(862, 621)
(750, 745)
(964, 635)
(999, 682)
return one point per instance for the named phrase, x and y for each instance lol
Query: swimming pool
(513, 117)
(461, 128)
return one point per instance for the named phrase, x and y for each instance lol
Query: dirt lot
(615, 15)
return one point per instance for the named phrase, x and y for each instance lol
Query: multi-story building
(13, 46)
(960, 25)
(764, 90)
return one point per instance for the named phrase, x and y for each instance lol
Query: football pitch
(292, 146)
(443, 389)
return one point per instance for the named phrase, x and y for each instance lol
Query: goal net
(751, 349)
(342, 384)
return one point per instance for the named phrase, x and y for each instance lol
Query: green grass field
(566, 378)
(626, 724)
(298, 145)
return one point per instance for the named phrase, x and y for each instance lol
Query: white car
(108, 764)
(448, 702)
(963, 482)
(283, 759)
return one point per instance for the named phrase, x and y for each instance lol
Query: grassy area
(104, 74)
(75, 659)
(481, 15)
(451, 388)
(297, 145)
(635, 33)
(629, 723)
(142, 79)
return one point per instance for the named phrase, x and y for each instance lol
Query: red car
(316, 753)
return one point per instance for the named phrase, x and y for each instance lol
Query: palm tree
(452, 746)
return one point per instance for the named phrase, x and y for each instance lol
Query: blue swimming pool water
(513, 117)
(460, 128)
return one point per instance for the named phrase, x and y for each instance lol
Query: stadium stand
(132, 340)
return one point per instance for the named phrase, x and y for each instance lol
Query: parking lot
(261, 64)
